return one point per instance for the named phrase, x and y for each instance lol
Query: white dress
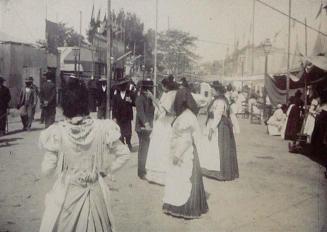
(81, 154)
(310, 120)
(178, 180)
(276, 122)
(159, 147)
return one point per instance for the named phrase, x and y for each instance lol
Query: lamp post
(242, 59)
(267, 46)
(75, 53)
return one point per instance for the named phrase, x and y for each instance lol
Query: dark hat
(298, 93)
(121, 81)
(73, 76)
(103, 78)
(218, 86)
(147, 83)
(2, 79)
(29, 79)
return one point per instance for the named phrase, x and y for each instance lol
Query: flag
(98, 17)
(92, 17)
(52, 30)
(319, 11)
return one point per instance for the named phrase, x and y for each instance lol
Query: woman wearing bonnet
(83, 152)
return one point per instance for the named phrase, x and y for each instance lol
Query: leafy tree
(175, 51)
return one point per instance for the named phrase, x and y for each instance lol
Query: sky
(222, 21)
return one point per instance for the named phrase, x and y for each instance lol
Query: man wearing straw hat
(4, 101)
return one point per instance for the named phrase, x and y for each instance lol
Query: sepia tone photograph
(163, 115)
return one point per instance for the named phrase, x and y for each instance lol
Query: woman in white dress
(184, 190)
(159, 148)
(83, 153)
(219, 122)
(311, 119)
(276, 122)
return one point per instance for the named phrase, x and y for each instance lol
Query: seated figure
(276, 121)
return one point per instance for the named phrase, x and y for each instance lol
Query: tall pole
(79, 43)
(242, 75)
(108, 108)
(306, 53)
(264, 88)
(252, 50)
(288, 51)
(155, 51)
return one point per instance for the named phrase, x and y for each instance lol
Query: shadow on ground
(7, 142)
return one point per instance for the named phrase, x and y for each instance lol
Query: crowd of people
(304, 126)
(176, 148)
(85, 152)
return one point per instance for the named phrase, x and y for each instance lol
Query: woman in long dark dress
(184, 190)
(319, 134)
(219, 122)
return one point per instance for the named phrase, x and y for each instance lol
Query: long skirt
(197, 202)
(227, 151)
(158, 153)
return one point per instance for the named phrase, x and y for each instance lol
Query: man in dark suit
(48, 96)
(123, 101)
(27, 103)
(144, 123)
(102, 98)
(4, 101)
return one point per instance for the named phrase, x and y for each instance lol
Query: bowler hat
(218, 86)
(103, 79)
(121, 81)
(2, 79)
(147, 83)
(29, 79)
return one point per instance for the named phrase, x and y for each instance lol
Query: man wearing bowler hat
(4, 101)
(123, 101)
(144, 123)
(27, 103)
(48, 100)
(102, 98)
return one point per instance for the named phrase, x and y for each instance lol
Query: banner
(52, 31)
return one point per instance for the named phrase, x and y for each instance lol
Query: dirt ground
(276, 191)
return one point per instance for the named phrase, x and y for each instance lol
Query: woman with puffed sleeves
(84, 153)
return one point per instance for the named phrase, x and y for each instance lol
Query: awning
(71, 67)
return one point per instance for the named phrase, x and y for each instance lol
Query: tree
(175, 51)
(65, 36)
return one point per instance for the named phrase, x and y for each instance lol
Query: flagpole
(108, 108)
(252, 50)
(79, 44)
(288, 51)
(155, 51)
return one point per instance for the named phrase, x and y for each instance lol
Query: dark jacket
(101, 97)
(48, 95)
(4, 98)
(31, 101)
(122, 109)
(144, 112)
